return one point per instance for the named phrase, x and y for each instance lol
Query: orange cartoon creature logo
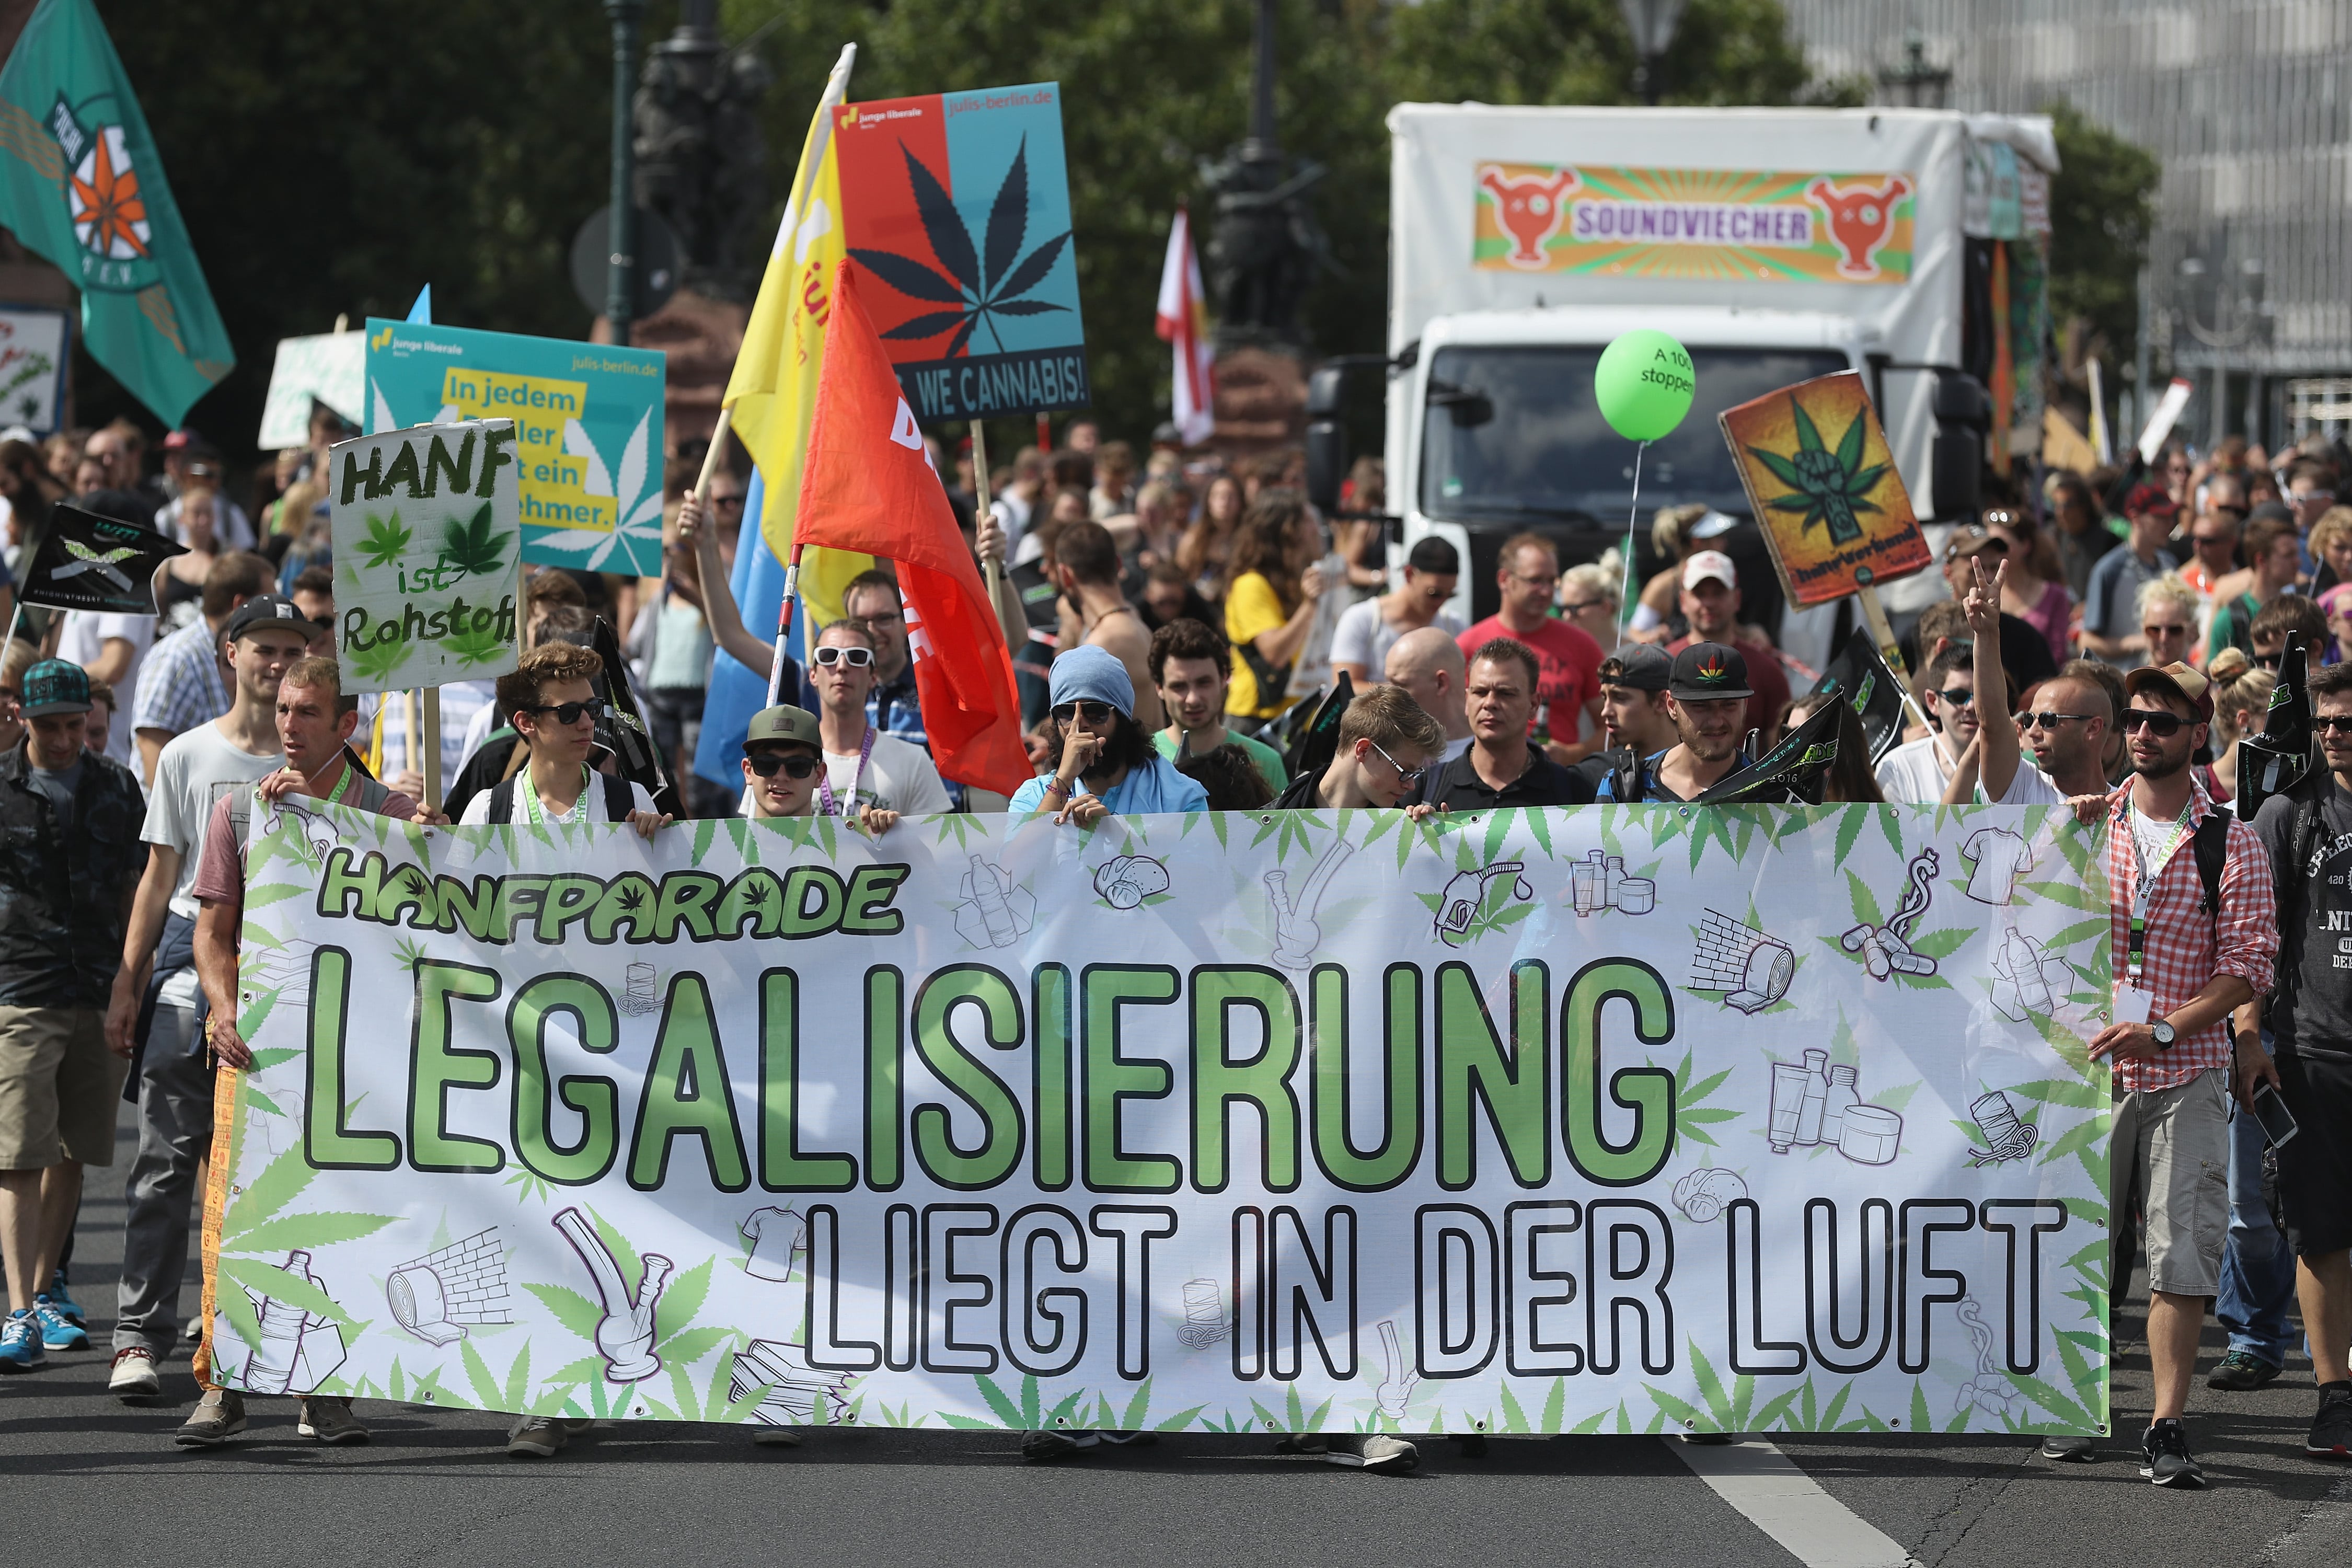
(1530, 209)
(1860, 219)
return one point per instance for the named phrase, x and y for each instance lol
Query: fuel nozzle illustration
(1296, 934)
(1458, 905)
(996, 910)
(625, 1335)
(1886, 948)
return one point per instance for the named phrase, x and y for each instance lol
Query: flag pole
(428, 761)
(16, 617)
(784, 624)
(993, 566)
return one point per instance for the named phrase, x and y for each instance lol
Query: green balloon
(1643, 384)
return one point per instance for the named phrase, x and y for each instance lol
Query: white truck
(1776, 244)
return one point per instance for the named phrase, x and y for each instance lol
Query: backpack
(619, 801)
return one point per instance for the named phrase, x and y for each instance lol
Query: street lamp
(1652, 23)
(620, 296)
(1915, 84)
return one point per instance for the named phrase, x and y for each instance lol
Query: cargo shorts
(2173, 1144)
(59, 1088)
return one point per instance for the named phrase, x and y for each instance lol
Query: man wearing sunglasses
(2308, 834)
(2110, 629)
(2186, 958)
(1107, 765)
(1917, 771)
(2067, 727)
(555, 709)
(1386, 746)
(1502, 767)
(864, 767)
(1362, 640)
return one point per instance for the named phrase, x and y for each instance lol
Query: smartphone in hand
(2269, 1110)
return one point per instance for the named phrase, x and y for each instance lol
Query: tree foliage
(2102, 208)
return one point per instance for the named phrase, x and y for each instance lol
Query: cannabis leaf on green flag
(386, 540)
(473, 545)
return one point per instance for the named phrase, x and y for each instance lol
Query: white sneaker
(776, 1436)
(132, 1378)
(1369, 1451)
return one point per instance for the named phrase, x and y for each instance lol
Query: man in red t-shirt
(1710, 602)
(1569, 684)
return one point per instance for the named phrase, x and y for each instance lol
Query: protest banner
(588, 428)
(79, 559)
(35, 348)
(425, 570)
(1824, 489)
(1618, 1119)
(961, 203)
(327, 368)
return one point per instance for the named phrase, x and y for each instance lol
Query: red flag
(866, 484)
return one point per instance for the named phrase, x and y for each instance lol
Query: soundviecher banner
(1606, 1119)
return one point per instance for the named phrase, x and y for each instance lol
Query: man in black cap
(157, 1000)
(1706, 697)
(68, 858)
(1635, 723)
(1501, 768)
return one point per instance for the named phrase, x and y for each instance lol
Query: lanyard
(530, 797)
(2144, 884)
(342, 785)
(825, 806)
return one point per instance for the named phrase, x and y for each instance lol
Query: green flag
(81, 183)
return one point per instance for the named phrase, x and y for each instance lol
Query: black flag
(1791, 773)
(630, 739)
(1315, 743)
(2275, 761)
(80, 561)
(1870, 687)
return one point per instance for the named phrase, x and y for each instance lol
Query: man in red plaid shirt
(2184, 964)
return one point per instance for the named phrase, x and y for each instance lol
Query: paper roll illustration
(436, 1297)
(419, 1305)
(1751, 969)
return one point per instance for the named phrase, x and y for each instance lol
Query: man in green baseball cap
(783, 756)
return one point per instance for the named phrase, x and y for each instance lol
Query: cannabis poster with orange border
(1824, 489)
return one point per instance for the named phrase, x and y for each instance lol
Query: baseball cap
(271, 610)
(783, 725)
(1639, 666)
(1968, 541)
(54, 686)
(1708, 564)
(1713, 524)
(2177, 677)
(1707, 671)
(2151, 501)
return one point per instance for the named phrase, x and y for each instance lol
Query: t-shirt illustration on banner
(2002, 857)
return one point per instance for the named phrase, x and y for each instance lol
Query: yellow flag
(773, 393)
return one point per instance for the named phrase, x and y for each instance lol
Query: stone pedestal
(1260, 400)
(701, 336)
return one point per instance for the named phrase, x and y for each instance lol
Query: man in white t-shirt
(1917, 771)
(111, 647)
(2068, 726)
(197, 768)
(555, 709)
(863, 766)
(1360, 643)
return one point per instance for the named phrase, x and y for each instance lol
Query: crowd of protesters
(1167, 617)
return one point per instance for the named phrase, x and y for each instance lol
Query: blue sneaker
(20, 1343)
(59, 1332)
(62, 1299)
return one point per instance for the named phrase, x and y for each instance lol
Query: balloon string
(1632, 513)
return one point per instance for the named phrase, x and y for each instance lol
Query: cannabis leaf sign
(975, 286)
(1831, 486)
(386, 540)
(473, 545)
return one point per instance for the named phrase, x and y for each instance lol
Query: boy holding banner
(555, 711)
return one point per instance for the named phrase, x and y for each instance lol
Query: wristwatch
(2164, 1035)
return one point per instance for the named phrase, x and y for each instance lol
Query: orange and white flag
(1184, 322)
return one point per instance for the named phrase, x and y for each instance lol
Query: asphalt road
(88, 1480)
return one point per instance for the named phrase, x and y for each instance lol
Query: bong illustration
(1814, 1103)
(1885, 948)
(1599, 882)
(1395, 1391)
(1753, 970)
(1296, 934)
(1466, 895)
(298, 1350)
(996, 911)
(624, 1336)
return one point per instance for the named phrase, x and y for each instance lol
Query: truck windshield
(1545, 453)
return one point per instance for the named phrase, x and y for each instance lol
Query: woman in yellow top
(1271, 602)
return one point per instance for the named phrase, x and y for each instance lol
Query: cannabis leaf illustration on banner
(387, 539)
(472, 546)
(1831, 486)
(635, 489)
(974, 293)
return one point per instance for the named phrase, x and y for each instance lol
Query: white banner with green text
(1619, 1119)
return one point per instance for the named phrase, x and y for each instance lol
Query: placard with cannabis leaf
(426, 523)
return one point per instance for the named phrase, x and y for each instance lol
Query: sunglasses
(1407, 776)
(1583, 605)
(1987, 545)
(765, 764)
(1960, 696)
(855, 658)
(1091, 711)
(2046, 721)
(2332, 723)
(570, 713)
(2163, 726)
(2152, 633)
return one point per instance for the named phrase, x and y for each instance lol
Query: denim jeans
(2258, 1270)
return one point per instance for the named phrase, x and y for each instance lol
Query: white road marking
(1766, 1486)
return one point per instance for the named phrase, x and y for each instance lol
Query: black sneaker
(1470, 1445)
(2241, 1371)
(2331, 1429)
(2165, 1459)
(1053, 1445)
(2067, 1448)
